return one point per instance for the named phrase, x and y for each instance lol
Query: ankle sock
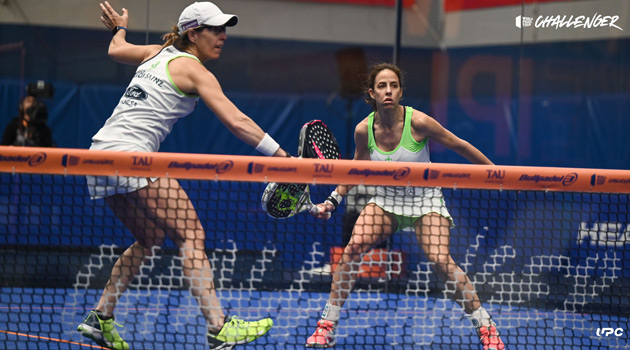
(480, 318)
(102, 317)
(331, 312)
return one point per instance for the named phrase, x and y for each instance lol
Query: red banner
(460, 5)
(391, 3)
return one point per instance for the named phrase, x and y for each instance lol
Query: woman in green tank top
(395, 133)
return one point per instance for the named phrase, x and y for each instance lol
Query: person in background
(393, 132)
(168, 82)
(30, 127)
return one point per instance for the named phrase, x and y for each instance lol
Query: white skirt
(411, 203)
(105, 186)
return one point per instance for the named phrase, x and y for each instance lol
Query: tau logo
(496, 174)
(135, 92)
(324, 168)
(141, 161)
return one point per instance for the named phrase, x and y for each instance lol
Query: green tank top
(408, 149)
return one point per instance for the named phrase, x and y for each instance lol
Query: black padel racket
(284, 200)
(317, 141)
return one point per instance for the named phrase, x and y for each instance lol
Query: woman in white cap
(169, 81)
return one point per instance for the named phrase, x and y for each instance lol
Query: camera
(40, 89)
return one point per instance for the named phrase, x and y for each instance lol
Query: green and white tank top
(150, 106)
(408, 150)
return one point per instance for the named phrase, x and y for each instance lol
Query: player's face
(386, 91)
(209, 41)
(28, 102)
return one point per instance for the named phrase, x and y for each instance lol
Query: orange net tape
(267, 169)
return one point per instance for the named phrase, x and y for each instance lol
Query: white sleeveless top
(410, 202)
(150, 107)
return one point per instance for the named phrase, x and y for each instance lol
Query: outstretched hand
(111, 18)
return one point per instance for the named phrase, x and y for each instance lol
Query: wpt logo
(524, 21)
(605, 332)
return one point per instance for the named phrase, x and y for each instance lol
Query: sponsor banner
(325, 171)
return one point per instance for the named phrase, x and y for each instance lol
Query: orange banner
(267, 169)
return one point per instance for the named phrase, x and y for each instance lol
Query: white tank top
(150, 107)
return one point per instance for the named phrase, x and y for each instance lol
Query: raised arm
(119, 49)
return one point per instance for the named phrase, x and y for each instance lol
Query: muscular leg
(433, 234)
(372, 227)
(163, 208)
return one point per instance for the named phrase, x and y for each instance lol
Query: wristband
(267, 146)
(334, 199)
(117, 28)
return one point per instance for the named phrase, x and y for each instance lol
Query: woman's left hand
(111, 19)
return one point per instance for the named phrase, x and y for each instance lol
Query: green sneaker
(103, 332)
(236, 331)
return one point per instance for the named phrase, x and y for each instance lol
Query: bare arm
(425, 126)
(192, 77)
(119, 49)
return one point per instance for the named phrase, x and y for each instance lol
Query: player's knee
(148, 244)
(443, 262)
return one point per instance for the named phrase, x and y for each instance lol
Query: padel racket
(283, 200)
(317, 141)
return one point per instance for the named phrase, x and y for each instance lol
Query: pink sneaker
(324, 336)
(489, 337)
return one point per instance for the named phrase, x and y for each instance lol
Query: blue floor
(161, 319)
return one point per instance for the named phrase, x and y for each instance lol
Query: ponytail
(181, 42)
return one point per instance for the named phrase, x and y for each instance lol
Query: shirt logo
(135, 92)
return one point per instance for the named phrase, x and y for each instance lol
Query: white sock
(480, 318)
(331, 312)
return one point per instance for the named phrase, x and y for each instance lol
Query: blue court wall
(585, 131)
(540, 104)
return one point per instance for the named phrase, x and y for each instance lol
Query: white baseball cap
(204, 13)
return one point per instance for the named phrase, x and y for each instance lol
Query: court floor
(35, 318)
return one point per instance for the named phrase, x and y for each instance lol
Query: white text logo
(604, 332)
(564, 21)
